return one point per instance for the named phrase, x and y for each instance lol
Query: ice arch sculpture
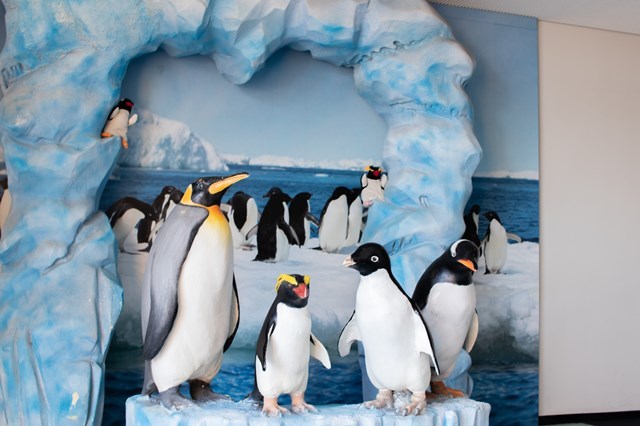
(61, 71)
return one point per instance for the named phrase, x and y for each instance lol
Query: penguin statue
(190, 310)
(372, 183)
(334, 221)
(471, 226)
(300, 217)
(494, 244)
(397, 345)
(5, 203)
(243, 216)
(284, 345)
(446, 296)
(354, 227)
(119, 121)
(275, 235)
(132, 222)
(162, 205)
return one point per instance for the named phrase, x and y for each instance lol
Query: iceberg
(61, 71)
(157, 142)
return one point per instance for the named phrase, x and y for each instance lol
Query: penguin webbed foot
(201, 392)
(298, 405)
(172, 400)
(440, 389)
(416, 406)
(271, 408)
(384, 399)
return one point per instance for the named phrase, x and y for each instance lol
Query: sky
(300, 107)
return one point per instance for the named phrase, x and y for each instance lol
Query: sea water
(511, 389)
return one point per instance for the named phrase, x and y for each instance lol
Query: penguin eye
(374, 259)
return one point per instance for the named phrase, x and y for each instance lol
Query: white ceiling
(613, 15)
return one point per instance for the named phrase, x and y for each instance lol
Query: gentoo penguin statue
(300, 217)
(284, 345)
(334, 220)
(397, 346)
(446, 296)
(372, 183)
(119, 121)
(275, 235)
(190, 309)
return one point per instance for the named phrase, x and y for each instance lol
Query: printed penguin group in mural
(411, 343)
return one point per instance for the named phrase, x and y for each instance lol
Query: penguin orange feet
(271, 408)
(384, 399)
(125, 144)
(439, 389)
(106, 134)
(416, 406)
(298, 405)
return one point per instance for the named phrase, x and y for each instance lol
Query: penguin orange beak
(302, 291)
(348, 262)
(223, 184)
(469, 264)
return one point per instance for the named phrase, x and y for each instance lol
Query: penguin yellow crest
(291, 280)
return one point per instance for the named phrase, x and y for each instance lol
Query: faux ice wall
(61, 71)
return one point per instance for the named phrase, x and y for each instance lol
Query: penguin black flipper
(319, 352)
(164, 272)
(311, 218)
(266, 331)
(289, 232)
(349, 334)
(235, 317)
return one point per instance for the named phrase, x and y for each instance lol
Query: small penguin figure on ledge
(190, 310)
(446, 296)
(284, 345)
(119, 121)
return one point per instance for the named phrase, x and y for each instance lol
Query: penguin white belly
(372, 192)
(307, 232)
(448, 315)
(355, 223)
(236, 234)
(287, 357)
(126, 224)
(282, 246)
(333, 229)
(495, 250)
(386, 325)
(119, 125)
(5, 207)
(193, 348)
(252, 218)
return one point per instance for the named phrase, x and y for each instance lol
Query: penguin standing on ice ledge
(284, 345)
(446, 296)
(190, 309)
(119, 120)
(397, 345)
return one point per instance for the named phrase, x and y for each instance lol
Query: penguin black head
(492, 215)
(276, 194)
(293, 289)
(368, 258)
(374, 172)
(303, 195)
(339, 191)
(463, 254)
(273, 191)
(125, 104)
(208, 191)
(475, 209)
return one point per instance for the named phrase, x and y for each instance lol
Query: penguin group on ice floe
(493, 247)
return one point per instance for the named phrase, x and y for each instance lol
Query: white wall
(589, 220)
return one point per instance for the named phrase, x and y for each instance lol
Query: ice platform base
(143, 411)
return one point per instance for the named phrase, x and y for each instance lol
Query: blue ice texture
(61, 71)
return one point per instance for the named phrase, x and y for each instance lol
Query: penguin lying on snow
(190, 309)
(274, 232)
(494, 244)
(132, 221)
(284, 345)
(119, 120)
(446, 295)
(398, 349)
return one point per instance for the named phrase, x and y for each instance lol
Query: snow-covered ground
(507, 304)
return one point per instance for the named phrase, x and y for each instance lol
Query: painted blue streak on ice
(55, 105)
